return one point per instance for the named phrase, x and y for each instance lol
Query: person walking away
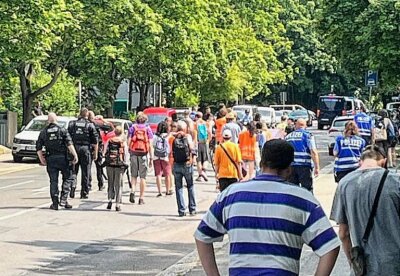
(219, 125)
(171, 138)
(228, 162)
(57, 142)
(365, 125)
(101, 126)
(268, 220)
(233, 127)
(116, 160)
(248, 147)
(161, 163)
(290, 127)
(347, 150)
(392, 141)
(85, 138)
(182, 150)
(305, 156)
(140, 142)
(203, 133)
(352, 210)
(383, 129)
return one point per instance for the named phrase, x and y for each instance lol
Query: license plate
(324, 119)
(30, 148)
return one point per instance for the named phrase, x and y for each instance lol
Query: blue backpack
(202, 134)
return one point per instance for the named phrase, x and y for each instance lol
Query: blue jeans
(184, 171)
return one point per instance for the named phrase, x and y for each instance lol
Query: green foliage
(186, 97)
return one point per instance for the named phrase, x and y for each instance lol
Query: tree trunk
(142, 100)
(130, 93)
(24, 73)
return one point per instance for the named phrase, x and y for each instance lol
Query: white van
(24, 143)
(267, 115)
(240, 109)
(291, 107)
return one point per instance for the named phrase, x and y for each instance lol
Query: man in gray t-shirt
(352, 206)
(233, 127)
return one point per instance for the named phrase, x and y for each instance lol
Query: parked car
(267, 115)
(24, 143)
(125, 124)
(180, 112)
(240, 109)
(337, 128)
(290, 107)
(156, 115)
(301, 114)
(331, 106)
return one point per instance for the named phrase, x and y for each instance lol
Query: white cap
(227, 133)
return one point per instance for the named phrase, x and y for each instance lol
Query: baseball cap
(230, 115)
(227, 133)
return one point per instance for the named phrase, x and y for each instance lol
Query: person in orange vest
(248, 146)
(219, 125)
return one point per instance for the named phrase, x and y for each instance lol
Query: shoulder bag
(357, 253)
(244, 172)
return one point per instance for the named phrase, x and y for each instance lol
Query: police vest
(349, 153)
(81, 132)
(54, 142)
(364, 124)
(302, 153)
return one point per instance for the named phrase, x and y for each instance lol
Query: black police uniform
(56, 140)
(99, 162)
(83, 135)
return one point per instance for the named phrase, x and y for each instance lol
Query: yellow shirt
(226, 169)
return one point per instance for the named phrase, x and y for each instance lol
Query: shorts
(226, 182)
(202, 155)
(161, 167)
(302, 176)
(139, 166)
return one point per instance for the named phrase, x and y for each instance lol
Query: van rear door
(329, 108)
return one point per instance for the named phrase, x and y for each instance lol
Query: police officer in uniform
(104, 126)
(85, 138)
(305, 156)
(365, 126)
(57, 142)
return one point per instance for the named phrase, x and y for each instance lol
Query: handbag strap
(230, 158)
(374, 207)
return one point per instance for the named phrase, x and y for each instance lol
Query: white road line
(40, 190)
(17, 184)
(24, 211)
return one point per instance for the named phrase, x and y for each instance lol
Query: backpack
(380, 133)
(202, 134)
(140, 142)
(181, 149)
(115, 154)
(161, 147)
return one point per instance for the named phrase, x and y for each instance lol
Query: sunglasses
(376, 149)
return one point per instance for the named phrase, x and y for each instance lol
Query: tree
(37, 35)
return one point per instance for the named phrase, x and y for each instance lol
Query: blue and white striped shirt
(267, 221)
(349, 150)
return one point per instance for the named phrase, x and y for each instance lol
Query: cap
(230, 115)
(227, 133)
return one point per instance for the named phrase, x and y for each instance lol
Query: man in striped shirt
(267, 220)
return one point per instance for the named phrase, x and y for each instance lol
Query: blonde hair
(350, 129)
(118, 131)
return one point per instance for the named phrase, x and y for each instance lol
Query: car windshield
(240, 114)
(340, 123)
(265, 113)
(155, 118)
(38, 125)
(299, 113)
(331, 104)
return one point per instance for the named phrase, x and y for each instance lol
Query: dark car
(301, 114)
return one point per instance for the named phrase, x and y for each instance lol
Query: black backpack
(181, 149)
(115, 154)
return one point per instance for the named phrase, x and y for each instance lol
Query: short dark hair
(162, 128)
(277, 154)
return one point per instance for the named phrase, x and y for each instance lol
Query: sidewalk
(324, 190)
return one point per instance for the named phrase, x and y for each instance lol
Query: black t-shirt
(47, 136)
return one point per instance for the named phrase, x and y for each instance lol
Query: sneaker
(132, 197)
(109, 205)
(72, 192)
(182, 214)
(101, 188)
(141, 201)
(193, 213)
(54, 207)
(198, 179)
(205, 177)
(118, 209)
(84, 196)
(159, 195)
(66, 205)
(170, 192)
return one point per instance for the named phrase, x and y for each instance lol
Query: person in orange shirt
(171, 137)
(228, 171)
(248, 146)
(219, 124)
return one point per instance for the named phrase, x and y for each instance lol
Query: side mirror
(22, 128)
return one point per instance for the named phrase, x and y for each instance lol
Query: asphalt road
(90, 240)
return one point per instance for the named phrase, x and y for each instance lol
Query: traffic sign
(283, 96)
(371, 78)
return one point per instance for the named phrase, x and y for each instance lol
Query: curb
(4, 150)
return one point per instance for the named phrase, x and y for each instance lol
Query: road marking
(40, 190)
(17, 184)
(24, 212)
